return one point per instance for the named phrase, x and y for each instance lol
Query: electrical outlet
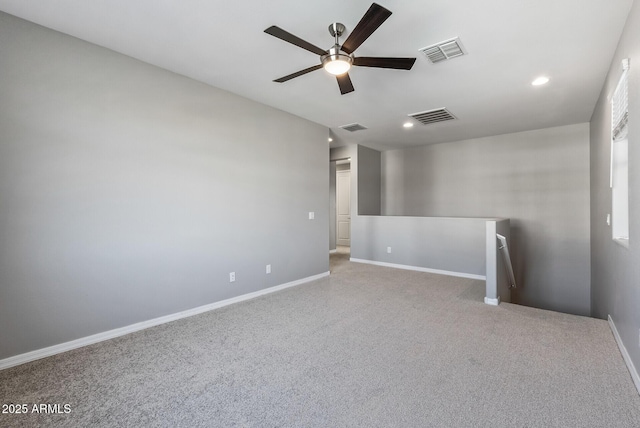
(388, 250)
(312, 215)
(232, 277)
(268, 268)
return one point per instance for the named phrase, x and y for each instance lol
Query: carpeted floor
(367, 347)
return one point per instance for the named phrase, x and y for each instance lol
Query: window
(619, 180)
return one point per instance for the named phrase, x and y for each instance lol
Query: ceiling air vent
(353, 127)
(433, 116)
(444, 50)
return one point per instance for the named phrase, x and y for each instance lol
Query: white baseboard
(333, 251)
(625, 355)
(421, 269)
(111, 334)
(492, 302)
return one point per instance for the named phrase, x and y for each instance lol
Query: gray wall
(539, 179)
(129, 192)
(344, 152)
(369, 180)
(454, 245)
(615, 270)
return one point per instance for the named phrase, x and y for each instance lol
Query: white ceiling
(509, 43)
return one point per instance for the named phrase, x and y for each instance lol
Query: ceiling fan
(339, 59)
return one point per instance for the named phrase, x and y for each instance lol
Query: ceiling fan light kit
(337, 66)
(339, 59)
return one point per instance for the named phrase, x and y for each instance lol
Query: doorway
(343, 203)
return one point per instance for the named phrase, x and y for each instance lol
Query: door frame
(344, 172)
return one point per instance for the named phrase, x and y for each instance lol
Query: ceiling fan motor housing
(335, 54)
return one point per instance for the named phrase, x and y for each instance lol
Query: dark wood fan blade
(374, 61)
(372, 19)
(294, 40)
(344, 81)
(298, 73)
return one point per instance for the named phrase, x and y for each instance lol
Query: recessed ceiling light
(408, 125)
(540, 81)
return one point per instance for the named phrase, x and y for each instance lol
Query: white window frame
(619, 177)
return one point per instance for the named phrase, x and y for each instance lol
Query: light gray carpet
(367, 347)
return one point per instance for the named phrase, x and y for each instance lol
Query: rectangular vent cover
(433, 116)
(444, 50)
(353, 127)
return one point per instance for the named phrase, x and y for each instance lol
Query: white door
(343, 208)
